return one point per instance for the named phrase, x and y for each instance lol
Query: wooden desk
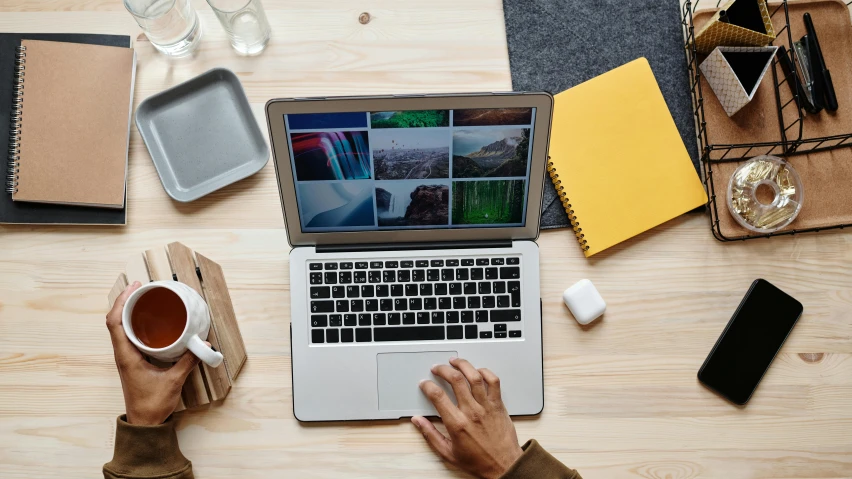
(621, 395)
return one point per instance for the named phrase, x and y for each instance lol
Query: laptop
(413, 222)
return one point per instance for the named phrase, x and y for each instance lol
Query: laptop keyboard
(415, 300)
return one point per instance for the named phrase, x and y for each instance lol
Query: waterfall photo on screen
(412, 203)
(488, 202)
(331, 155)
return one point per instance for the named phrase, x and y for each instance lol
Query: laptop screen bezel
(277, 108)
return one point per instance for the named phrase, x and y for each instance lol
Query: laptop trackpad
(399, 380)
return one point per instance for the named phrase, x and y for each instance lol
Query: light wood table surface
(622, 398)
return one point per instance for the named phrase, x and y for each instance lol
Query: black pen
(817, 84)
(818, 65)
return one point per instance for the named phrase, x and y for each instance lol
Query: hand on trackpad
(399, 376)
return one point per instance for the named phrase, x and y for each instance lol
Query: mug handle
(205, 353)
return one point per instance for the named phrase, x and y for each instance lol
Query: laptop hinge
(411, 246)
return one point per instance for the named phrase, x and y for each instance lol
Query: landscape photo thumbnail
(492, 116)
(410, 119)
(488, 202)
(337, 204)
(332, 155)
(411, 154)
(494, 153)
(412, 203)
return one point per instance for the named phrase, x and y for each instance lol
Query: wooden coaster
(176, 262)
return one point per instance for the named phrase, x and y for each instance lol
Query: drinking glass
(245, 23)
(171, 25)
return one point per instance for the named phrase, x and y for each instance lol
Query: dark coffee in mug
(158, 318)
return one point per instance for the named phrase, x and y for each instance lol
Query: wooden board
(177, 262)
(137, 269)
(194, 392)
(118, 288)
(216, 292)
(183, 265)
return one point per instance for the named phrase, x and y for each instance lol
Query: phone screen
(750, 341)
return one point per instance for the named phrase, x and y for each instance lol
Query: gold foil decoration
(781, 178)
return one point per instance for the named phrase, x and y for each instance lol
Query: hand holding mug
(151, 394)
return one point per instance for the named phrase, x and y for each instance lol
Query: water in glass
(245, 23)
(171, 25)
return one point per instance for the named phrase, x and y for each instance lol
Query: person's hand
(151, 394)
(482, 438)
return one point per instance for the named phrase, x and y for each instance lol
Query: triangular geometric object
(737, 23)
(734, 73)
(748, 66)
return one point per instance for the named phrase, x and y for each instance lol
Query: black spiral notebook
(43, 213)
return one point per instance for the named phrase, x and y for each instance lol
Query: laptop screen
(414, 169)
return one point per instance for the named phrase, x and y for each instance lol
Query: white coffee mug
(194, 334)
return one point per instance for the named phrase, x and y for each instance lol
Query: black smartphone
(750, 341)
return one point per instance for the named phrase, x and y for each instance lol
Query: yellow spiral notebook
(617, 160)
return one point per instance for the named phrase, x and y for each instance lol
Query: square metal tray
(201, 135)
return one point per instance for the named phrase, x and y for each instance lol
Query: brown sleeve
(147, 452)
(536, 463)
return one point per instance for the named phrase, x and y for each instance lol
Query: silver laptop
(412, 221)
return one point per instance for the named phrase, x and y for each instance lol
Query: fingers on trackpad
(399, 376)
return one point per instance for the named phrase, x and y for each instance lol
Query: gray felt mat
(556, 44)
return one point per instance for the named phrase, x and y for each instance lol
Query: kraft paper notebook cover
(617, 160)
(72, 127)
(22, 212)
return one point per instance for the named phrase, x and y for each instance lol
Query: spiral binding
(14, 158)
(566, 203)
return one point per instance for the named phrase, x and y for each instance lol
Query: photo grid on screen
(412, 169)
